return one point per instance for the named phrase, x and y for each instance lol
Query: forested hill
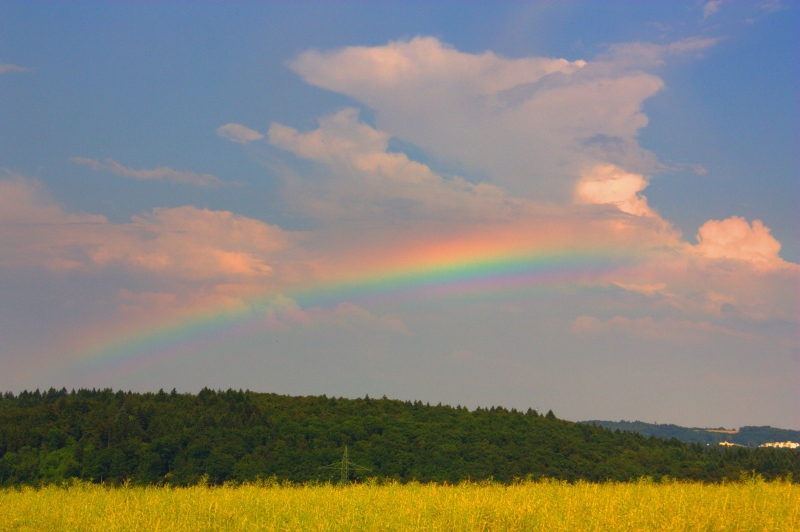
(748, 436)
(237, 436)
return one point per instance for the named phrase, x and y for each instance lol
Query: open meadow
(547, 505)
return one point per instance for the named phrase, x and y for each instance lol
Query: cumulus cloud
(184, 243)
(608, 184)
(734, 238)
(423, 61)
(161, 173)
(239, 133)
(733, 273)
(26, 201)
(194, 244)
(362, 181)
(530, 124)
(372, 180)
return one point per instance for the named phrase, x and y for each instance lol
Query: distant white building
(781, 445)
(729, 444)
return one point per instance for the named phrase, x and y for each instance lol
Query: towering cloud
(531, 124)
(734, 238)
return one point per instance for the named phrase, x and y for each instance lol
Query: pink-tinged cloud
(734, 238)
(424, 61)
(531, 124)
(609, 184)
(647, 54)
(27, 202)
(371, 181)
(711, 8)
(239, 133)
(196, 258)
(360, 179)
(7, 68)
(184, 243)
(161, 173)
(193, 243)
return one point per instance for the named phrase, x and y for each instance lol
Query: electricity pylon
(345, 467)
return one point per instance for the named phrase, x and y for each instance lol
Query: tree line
(223, 436)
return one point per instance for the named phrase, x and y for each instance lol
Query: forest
(238, 436)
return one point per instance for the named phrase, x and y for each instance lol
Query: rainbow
(502, 274)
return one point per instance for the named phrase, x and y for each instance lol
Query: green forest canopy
(179, 439)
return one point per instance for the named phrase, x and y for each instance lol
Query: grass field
(549, 505)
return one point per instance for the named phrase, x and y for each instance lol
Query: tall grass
(549, 505)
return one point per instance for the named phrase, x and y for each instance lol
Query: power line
(345, 466)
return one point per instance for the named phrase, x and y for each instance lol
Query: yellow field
(751, 505)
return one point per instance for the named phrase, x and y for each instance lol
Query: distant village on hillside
(777, 444)
(744, 437)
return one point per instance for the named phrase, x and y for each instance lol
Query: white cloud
(711, 8)
(370, 180)
(161, 173)
(362, 182)
(184, 243)
(772, 6)
(239, 133)
(608, 184)
(530, 124)
(734, 238)
(6, 68)
(646, 54)
(193, 243)
(26, 201)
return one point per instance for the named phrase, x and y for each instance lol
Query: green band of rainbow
(493, 275)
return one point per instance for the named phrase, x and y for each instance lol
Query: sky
(589, 207)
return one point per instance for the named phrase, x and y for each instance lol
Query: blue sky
(110, 118)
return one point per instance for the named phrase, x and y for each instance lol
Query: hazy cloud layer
(161, 173)
(669, 329)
